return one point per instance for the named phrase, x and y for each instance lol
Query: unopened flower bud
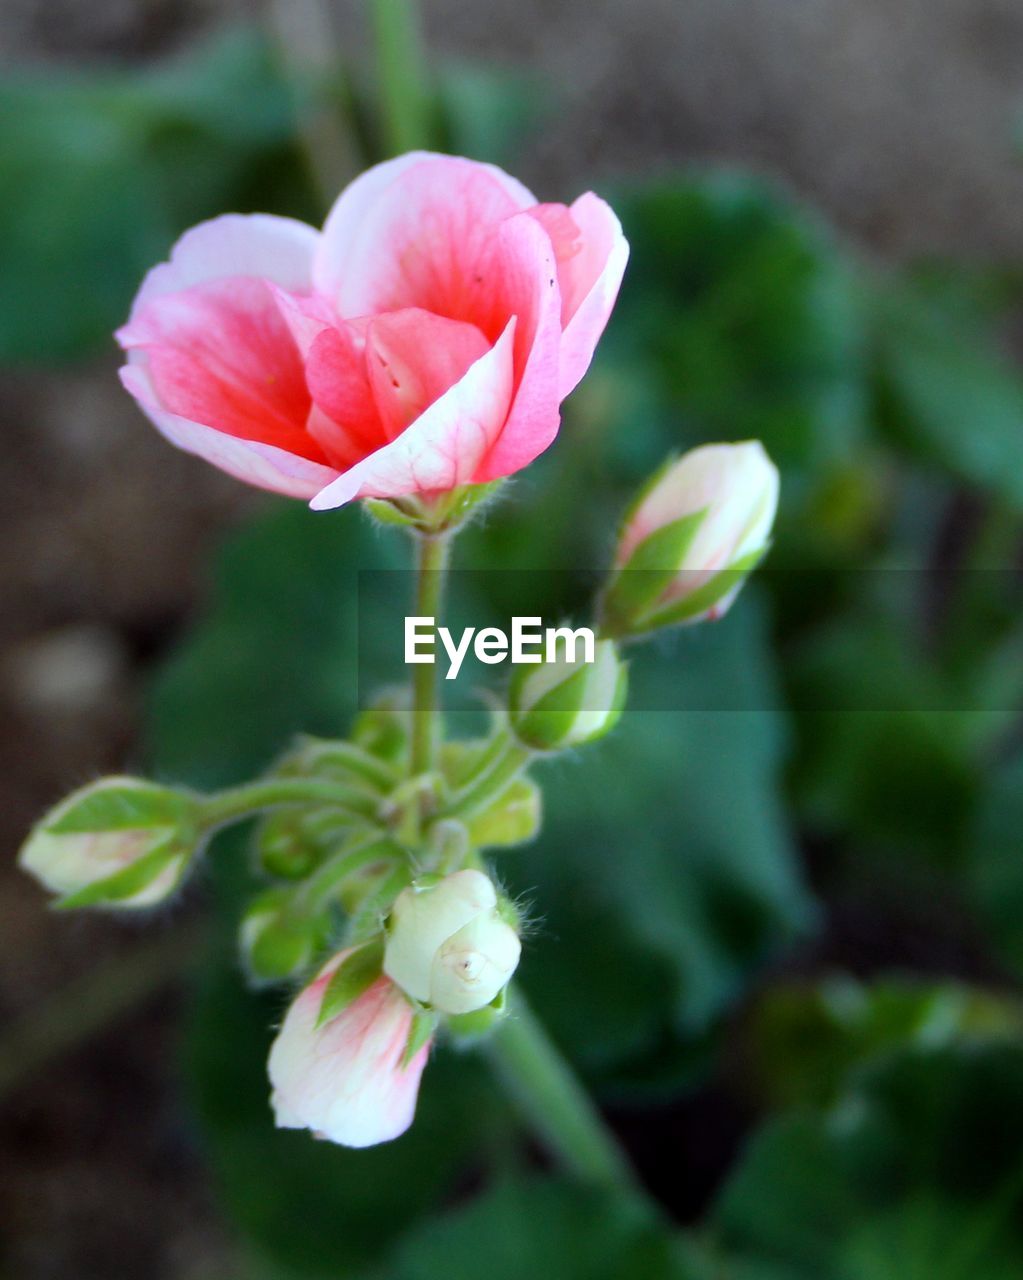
(448, 945)
(567, 702)
(350, 1078)
(691, 537)
(119, 842)
(276, 941)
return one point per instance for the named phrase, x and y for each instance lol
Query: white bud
(563, 704)
(447, 945)
(709, 512)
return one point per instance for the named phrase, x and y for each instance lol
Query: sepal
(354, 975)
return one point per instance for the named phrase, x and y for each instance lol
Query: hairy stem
(553, 1102)
(432, 554)
(254, 797)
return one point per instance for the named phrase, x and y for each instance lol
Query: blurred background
(807, 992)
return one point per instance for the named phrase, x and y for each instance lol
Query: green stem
(243, 802)
(432, 561)
(554, 1103)
(401, 75)
(491, 782)
(325, 879)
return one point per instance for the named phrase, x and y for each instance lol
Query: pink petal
(306, 315)
(413, 233)
(446, 445)
(345, 1081)
(236, 244)
(221, 354)
(261, 465)
(412, 358)
(523, 283)
(336, 375)
(590, 278)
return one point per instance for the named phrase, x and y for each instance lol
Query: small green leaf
(354, 975)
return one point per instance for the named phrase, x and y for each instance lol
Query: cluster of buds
(347, 1061)
(388, 924)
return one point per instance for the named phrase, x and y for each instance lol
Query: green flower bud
(277, 942)
(563, 704)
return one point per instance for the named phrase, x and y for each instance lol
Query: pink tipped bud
(693, 534)
(347, 1080)
(118, 842)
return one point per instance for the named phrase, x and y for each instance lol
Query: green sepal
(119, 804)
(479, 1023)
(547, 724)
(386, 512)
(424, 1024)
(130, 881)
(353, 976)
(513, 818)
(439, 514)
(649, 571)
(704, 598)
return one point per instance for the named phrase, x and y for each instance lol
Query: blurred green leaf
(545, 1228)
(741, 308)
(947, 396)
(487, 112)
(887, 750)
(102, 171)
(996, 866)
(805, 1038)
(916, 1173)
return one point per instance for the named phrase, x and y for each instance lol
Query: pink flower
(424, 339)
(345, 1080)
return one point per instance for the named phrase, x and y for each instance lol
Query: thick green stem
(553, 1102)
(254, 797)
(401, 75)
(432, 560)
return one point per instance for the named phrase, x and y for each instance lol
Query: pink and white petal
(524, 284)
(261, 465)
(412, 358)
(446, 445)
(412, 233)
(590, 280)
(235, 244)
(345, 1080)
(220, 353)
